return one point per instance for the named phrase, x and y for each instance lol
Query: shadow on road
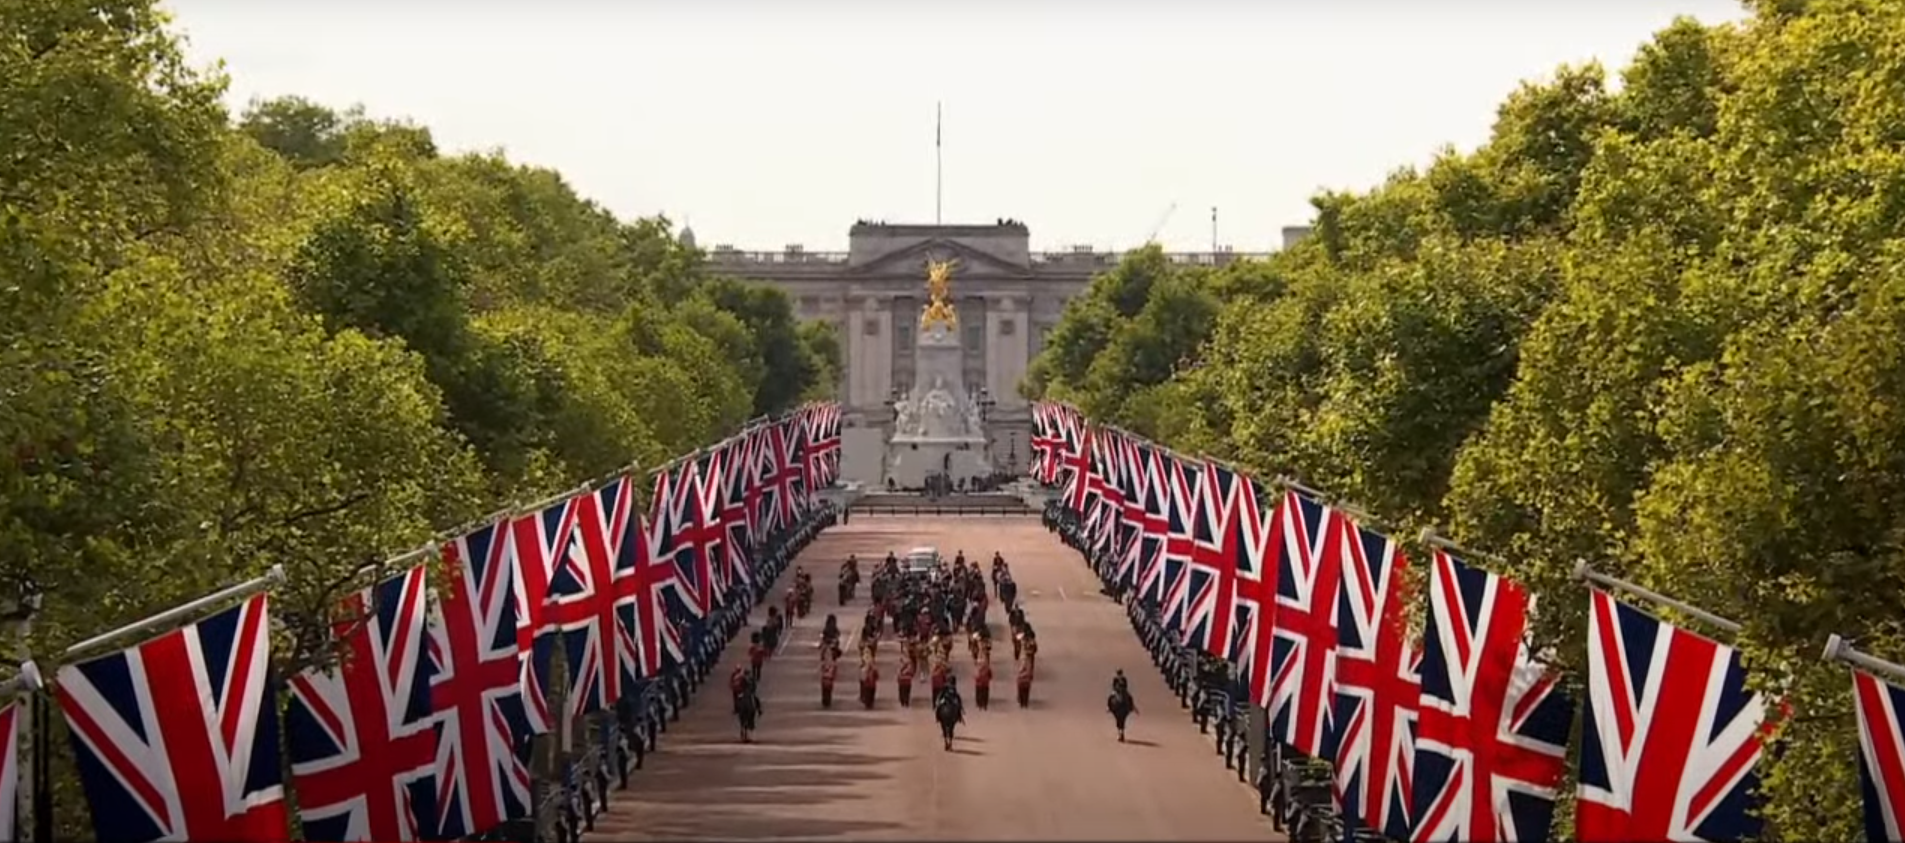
(741, 825)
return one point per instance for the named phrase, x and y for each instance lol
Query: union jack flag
(476, 689)
(706, 532)
(1081, 493)
(537, 541)
(1250, 535)
(362, 737)
(1184, 484)
(1377, 687)
(10, 726)
(1492, 724)
(1048, 442)
(737, 510)
(1671, 735)
(1156, 519)
(822, 422)
(1881, 707)
(581, 595)
(671, 519)
(783, 499)
(177, 738)
(647, 635)
(1210, 621)
(1303, 625)
(1133, 482)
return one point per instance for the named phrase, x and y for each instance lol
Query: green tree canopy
(312, 338)
(1657, 329)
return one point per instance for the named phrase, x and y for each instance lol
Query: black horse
(950, 711)
(1121, 706)
(747, 710)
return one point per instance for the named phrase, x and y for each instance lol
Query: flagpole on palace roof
(245, 589)
(1584, 573)
(1838, 650)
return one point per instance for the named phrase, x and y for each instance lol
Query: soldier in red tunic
(942, 672)
(869, 683)
(1025, 683)
(982, 685)
(756, 654)
(829, 670)
(907, 670)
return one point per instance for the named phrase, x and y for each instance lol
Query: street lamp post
(986, 403)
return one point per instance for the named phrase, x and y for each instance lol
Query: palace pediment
(910, 260)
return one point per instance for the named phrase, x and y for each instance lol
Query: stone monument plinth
(938, 427)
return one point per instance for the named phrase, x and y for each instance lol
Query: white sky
(765, 124)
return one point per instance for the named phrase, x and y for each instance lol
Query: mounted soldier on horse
(1120, 703)
(747, 702)
(949, 710)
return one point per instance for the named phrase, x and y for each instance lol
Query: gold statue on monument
(939, 287)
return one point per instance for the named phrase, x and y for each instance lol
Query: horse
(747, 710)
(1121, 706)
(950, 712)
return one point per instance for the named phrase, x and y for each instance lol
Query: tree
(1655, 329)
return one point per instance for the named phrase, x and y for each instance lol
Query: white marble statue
(905, 417)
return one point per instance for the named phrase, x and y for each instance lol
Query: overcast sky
(767, 124)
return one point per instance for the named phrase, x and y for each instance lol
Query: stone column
(869, 328)
(1008, 330)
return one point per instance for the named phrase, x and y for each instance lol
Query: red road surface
(1054, 771)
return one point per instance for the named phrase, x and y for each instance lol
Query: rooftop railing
(737, 258)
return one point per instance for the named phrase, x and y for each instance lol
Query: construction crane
(1160, 224)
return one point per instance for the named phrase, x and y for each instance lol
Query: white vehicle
(921, 560)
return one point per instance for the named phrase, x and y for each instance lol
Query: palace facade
(1008, 298)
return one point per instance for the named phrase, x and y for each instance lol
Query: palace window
(975, 338)
(906, 335)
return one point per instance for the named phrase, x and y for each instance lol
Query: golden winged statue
(939, 287)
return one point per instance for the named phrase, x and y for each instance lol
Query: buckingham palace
(1007, 297)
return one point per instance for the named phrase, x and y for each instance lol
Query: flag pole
(271, 578)
(1584, 573)
(27, 681)
(1434, 539)
(1837, 650)
(939, 164)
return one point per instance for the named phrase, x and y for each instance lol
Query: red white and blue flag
(1493, 722)
(1048, 442)
(582, 599)
(1881, 707)
(177, 738)
(1156, 519)
(822, 423)
(737, 474)
(362, 736)
(706, 532)
(642, 580)
(10, 728)
(537, 542)
(671, 518)
(784, 492)
(476, 688)
(1216, 546)
(1671, 736)
(1377, 687)
(1309, 559)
